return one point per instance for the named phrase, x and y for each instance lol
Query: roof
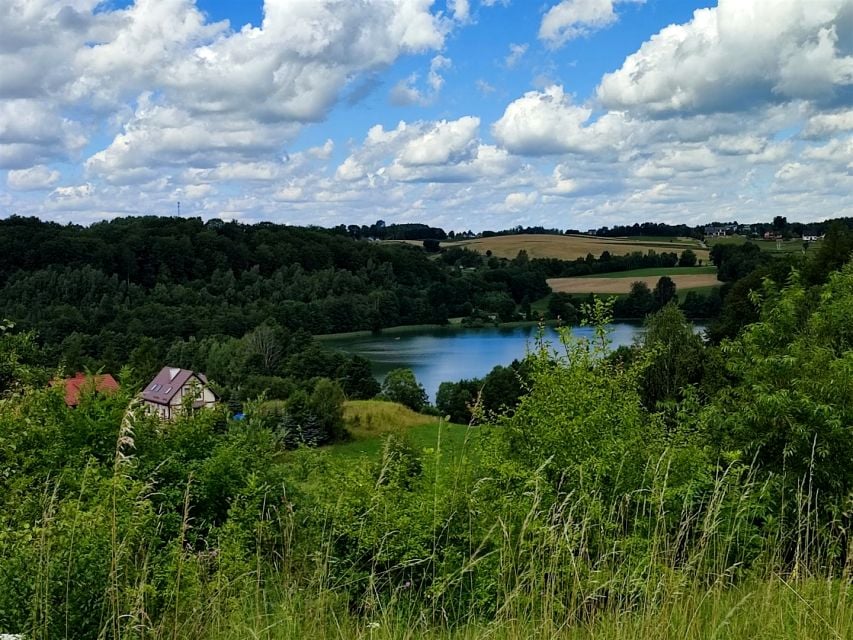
(167, 383)
(73, 386)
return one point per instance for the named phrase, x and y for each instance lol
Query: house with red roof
(101, 383)
(173, 388)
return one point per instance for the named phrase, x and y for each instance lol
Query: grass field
(771, 608)
(623, 284)
(369, 421)
(786, 246)
(572, 247)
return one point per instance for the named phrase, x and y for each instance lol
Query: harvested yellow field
(572, 247)
(623, 285)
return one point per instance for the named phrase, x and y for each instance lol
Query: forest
(214, 295)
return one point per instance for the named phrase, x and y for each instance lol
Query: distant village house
(174, 388)
(720, 230)
(75, 386)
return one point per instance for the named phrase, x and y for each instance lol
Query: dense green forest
(234, 300)
(673, 489)
(241, 302)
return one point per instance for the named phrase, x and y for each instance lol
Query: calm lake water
(440, 355)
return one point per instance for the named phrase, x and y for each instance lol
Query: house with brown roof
(102, 383)
(174, 388)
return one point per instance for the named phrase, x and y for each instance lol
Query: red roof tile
(73, 386)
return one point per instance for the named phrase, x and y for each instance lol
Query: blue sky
(463, 113)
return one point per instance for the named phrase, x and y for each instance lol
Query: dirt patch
(623, 285)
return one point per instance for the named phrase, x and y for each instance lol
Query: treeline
(607, 263)
(519, 230)
(651, 229)
(380, 231)
(780, 226)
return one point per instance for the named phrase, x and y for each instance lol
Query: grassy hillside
(370, 421)
(572, 247)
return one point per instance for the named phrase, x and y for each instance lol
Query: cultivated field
(572, 247)
(623, 285)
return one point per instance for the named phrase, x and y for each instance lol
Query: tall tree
(400, 385)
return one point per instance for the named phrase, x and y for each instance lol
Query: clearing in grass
(368, 419)
(371, 421)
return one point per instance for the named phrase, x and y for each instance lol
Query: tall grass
(569, 565)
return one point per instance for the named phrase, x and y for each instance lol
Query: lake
(439, 355)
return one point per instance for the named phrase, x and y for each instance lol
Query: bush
(400, 385)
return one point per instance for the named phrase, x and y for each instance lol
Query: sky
(465, 114)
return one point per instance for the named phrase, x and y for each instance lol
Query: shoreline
(458, 326)
(453, 325)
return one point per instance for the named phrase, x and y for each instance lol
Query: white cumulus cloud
(548, 122)
(572, 19)
(738, 55)
(33, 179)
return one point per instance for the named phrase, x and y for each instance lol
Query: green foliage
(18, 359)
(793, 402)
(305, 419)
(665, 291)
(639, 302)
(455, 399)
(401, 386)
(687, 258)
(560, 307)
(643, 493)
(357, 381)
(674, 357)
